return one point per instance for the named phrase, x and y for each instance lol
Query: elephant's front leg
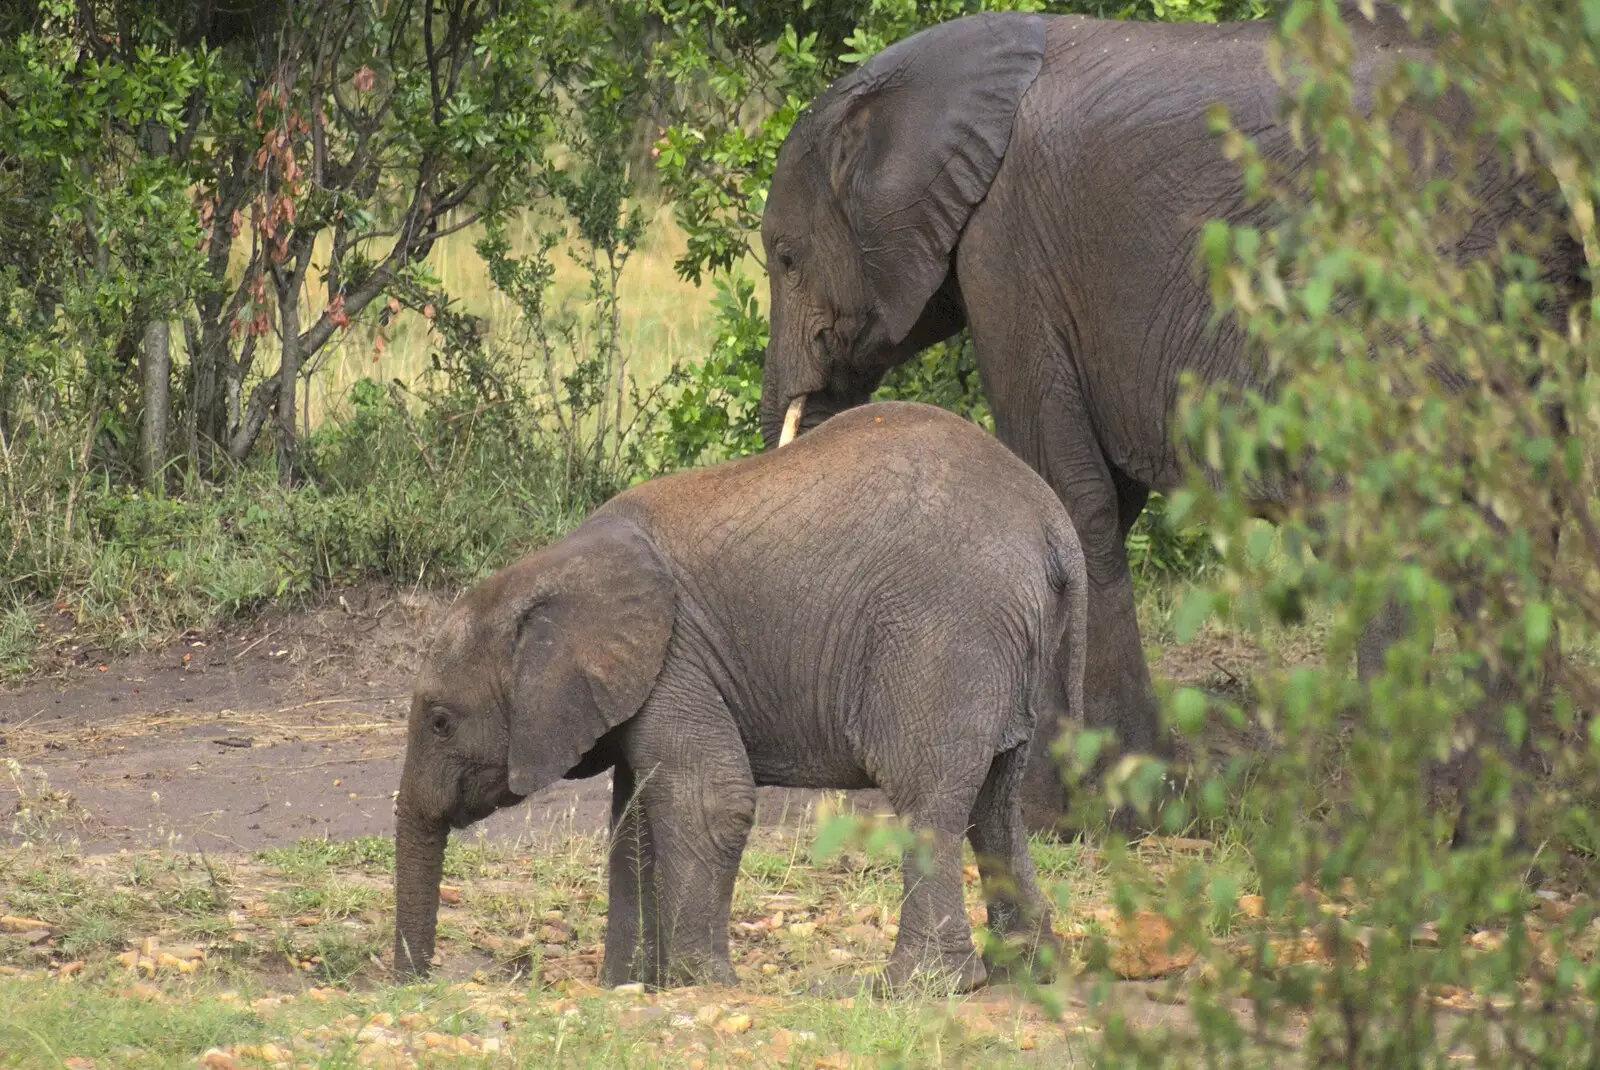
(699, 801)
(633, 951)
(1117, 691)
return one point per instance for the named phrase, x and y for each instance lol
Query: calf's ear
(594, 617)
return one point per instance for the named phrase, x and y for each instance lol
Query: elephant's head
(529, 672)
(873, 187)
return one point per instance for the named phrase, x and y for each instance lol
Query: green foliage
(1407, 420)
(416, 486)
(715, 412)
(179, 170)
(1163, 547)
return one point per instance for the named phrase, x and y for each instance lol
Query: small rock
(68, 969)
(448, 1043)
(839, 954)
(802, 929)
(217, 1059)
(450, 896)
(632, 988)
(735, 1023)
(1553, 909)
(1487, 940)
(1252, 906)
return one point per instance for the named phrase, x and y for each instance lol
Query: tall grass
(664, 318)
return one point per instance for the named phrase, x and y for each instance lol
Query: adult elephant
(1043, 182)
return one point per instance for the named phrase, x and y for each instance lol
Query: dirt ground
(289, 727)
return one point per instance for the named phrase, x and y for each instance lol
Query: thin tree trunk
(155, 360)
(155, 375)
(288, 380)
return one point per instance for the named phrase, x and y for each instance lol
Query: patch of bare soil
(291, 726)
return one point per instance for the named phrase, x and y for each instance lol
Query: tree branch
(263, 399)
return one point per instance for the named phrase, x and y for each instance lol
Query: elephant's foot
(1017, 956)
(895, 983)
(700, 970)
(949, 973)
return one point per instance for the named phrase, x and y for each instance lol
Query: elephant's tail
(1069, 582)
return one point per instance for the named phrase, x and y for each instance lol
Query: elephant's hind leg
(1019, 914)
(933, 791)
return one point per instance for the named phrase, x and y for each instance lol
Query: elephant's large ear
(590, 638)
(916, 138)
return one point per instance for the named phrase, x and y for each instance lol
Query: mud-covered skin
(878, 605)
(1044, 181)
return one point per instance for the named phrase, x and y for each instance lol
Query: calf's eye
(439, 721)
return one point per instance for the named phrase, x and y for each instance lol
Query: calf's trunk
(418, 865)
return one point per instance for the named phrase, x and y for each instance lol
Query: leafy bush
(1394, 925)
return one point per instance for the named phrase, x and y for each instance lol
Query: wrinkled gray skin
(1044, 181)
(878, 605)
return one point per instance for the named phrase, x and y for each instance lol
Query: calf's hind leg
(932, 762)
(1019, 914)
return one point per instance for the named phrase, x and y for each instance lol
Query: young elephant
(875, 605)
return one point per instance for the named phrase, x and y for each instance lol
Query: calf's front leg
(699, 801)
(633, 948)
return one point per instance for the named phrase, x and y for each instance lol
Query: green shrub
(1387, 894)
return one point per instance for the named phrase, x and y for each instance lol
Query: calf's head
(531, 669)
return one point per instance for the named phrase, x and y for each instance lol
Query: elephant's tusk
(791, 421)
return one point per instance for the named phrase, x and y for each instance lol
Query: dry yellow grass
(663, 317)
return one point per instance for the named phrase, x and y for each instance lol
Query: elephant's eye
(785, 259)
(439, 722)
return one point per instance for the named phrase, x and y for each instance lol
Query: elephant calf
(876, 605)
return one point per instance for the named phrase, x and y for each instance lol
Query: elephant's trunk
(791, 420)
(418, 865)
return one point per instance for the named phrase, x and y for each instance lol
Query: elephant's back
(890, 535)
(1111, 175)
(930, 468)
(901, 481)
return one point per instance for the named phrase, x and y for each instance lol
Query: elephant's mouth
(806, 411)
(469, 812)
